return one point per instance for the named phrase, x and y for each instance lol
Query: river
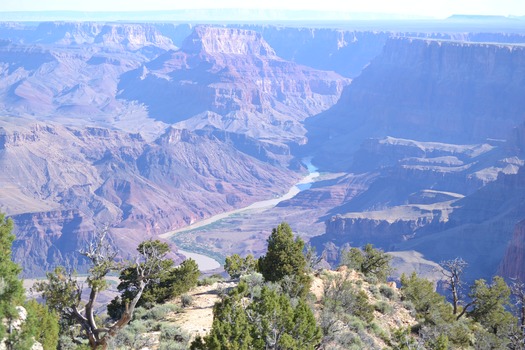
(205, 262)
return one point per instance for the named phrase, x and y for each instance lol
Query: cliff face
(61, 184)
(231, 79)
(424, 116)
(228, 41)
(131, 37)
(513, 264)
(49, 239)
(360, 231)
(346, 52)
(426, 90)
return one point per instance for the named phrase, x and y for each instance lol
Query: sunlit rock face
(62, 184)
(426, 90)
(232, 79)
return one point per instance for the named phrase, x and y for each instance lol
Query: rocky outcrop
(382, 228)
(231, 79)
(426, 90)
(46, 240)
(513, 264)
(360, 231)
(62, 184)
(226, 41)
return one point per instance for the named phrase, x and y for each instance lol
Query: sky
(436, 8)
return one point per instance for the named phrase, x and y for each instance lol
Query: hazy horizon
(337, 8)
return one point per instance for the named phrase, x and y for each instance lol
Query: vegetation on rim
(277, 303)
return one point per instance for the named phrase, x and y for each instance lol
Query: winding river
(205, 262)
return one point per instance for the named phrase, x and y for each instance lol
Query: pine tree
(11, 288)
(369, 261)
(285, 258)
(269, 321)
(40, 324)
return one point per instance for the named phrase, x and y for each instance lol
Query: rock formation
(150, 127)
(232, 79)
(61, 184)
(426, 90)
(513, 264)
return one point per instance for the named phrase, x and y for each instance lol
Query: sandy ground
(198, 318)
(205, 262)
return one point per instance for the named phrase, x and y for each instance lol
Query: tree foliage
(170, 281)
(44, 324)
(489, 303)
(63, 292)
(430, 306)
(236, 266)
(284, 257)
(341, 301)
(40, 324)
(369, 261)
(11, 289)
(268, 321)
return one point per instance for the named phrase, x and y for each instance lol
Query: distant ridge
(484, 18)
(200, 15)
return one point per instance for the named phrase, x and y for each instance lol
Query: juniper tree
(170, 282)
(453, 272)
(285, 258)
(369, 261)
(268, 321)
(63, 292)
(40, 324)
(11, 289)
(237, 266)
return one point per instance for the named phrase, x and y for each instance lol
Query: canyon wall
(425, 90)
(231, 79)
(513, 264)
(61, 184)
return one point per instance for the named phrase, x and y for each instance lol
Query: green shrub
(186, 300)
(172, 345)
(379, 331)
(139, 313)
(369, 261)
(160, 312)
(371, 279)
(374, 290)
(236, 266)
(208, 281)
(356, 323)
(254, 282)
(172, 337)
(132, 337)
(384, 307)
(387, 291)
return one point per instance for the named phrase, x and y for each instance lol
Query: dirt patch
(197, 319)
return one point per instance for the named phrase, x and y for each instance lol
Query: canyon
(149, 128)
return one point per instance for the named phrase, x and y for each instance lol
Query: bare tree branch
(453, 272)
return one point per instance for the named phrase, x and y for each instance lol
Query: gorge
(149, 128)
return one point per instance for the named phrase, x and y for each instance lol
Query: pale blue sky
(436, 8)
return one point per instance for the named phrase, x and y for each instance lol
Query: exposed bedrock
(425, 90)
